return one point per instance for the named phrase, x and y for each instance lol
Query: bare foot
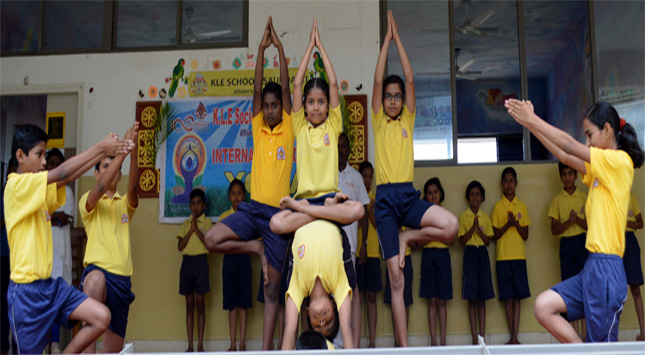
(475, 341)
(433, 342)
(259, 250)
(403, 246)
(509, 342)
(640, 337)
(189, 350)
(242, 346)
(200, 349)
(443, 341)
(232, 348)
(372, 344)
(516, 341)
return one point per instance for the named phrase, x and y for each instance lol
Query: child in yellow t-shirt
(510, 219)
(607, 162)
(35, 300)
(193, 275)
(108, 257)
(475, 233)
(397, 201)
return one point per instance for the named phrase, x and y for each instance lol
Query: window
(57, 27)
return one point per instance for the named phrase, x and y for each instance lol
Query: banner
(211, 144)
(231, 82)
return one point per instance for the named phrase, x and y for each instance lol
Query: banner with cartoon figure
(211, 144)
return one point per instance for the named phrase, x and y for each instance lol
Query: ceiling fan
(462, 72)
(472, 27)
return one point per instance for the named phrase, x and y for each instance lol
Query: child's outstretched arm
(345, 319)
(133, 177)
(302, 70)
(284, 70)
(559, 143)
(331, 74)
(104, 182)
(410, 97)
(77, 165)
(259, 69)
(379, 73)
(290, 325)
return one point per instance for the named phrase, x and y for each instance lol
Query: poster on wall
(211, 144)
(231, 82)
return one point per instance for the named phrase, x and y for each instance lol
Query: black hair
(26, 137)
(98, 165)
(315, 83)
(311, 340)
(274, 89)
(336, 326)
(198, 193)
(364, 165)
(476, 185)
(55, 153)
(12, 166)
(509, 170)
(603, 112)
(239, 183)
(433, 181)
(562, 166)
(349, 144)
(394, 79)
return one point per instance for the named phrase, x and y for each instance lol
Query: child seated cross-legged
(35, 300)
(193, 275)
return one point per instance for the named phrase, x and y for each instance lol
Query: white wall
(348, 29)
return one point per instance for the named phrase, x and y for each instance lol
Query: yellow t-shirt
(317, 154)
(108, 233)
(318, 253)
(609, 176)
(510, 246)
(393, 144)
(633, 211)
(29, 202)
(466, 221)
(195, 245)
(272, 160)
(373, 244)
(561, 207)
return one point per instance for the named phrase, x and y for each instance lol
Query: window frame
(110, 19)
(526, 134)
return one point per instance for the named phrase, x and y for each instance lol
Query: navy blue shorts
(193, 275)
(436, 274)
(369, 275)
(512, 280)
(319, 201)
(632, 260)
(408, 275)
(597, 294)
(119, 297)
(33, 309)
(397, 205)
(477, 282)
(251, 221)
(236, 281)
(573, 255)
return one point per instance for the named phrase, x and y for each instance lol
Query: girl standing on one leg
(607, 163)
(397, 202)
(632, 260)
(436, 271)
(476, 232)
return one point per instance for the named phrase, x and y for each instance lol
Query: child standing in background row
(568, 222)
(194, 272)
(436, 271)
(632, 260)
(510, 219)
(475, 232)
(236, 276)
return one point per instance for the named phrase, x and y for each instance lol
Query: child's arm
(331, 75)
(77, 165)
(259, 70)
(379, 73)
(410, 98)
(466, 237)
(569, 151)
(637, 224)
(290, 325)
(523, 231)
(345, 319)
(104, 183)
(284, 70)
(558, 228)
(302, 70)
(181, 244)
(133, 178)
(483, 236)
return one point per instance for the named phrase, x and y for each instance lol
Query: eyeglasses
(397, 97)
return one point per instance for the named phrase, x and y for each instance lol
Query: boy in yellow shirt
(35, 300)
(193, 275)
(511, 223)
(108, 260)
